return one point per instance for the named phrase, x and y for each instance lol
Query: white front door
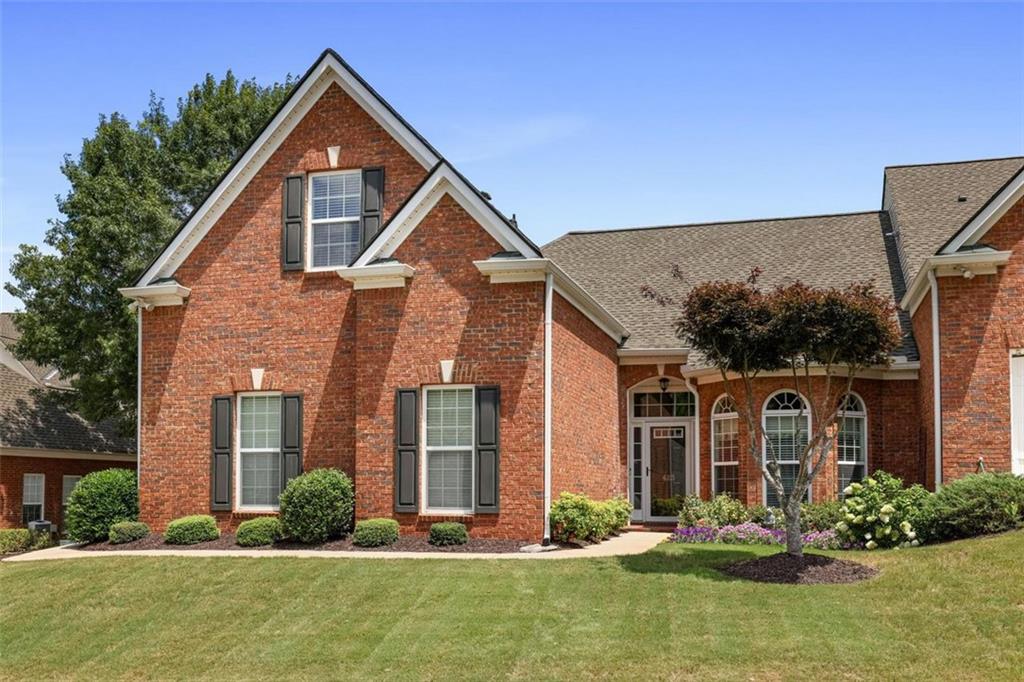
(665, 470)
(1017, 413)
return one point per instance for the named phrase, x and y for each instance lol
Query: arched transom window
(725, 447)
(852, 442)
(787, 423)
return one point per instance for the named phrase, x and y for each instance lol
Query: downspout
(936, 378)
(548, 294)
(138, 401)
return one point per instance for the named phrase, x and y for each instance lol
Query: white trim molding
(50, 453)
(653, 356)
(148, 297)
(989, 214)
(444, 180)
(967, 265)
(377, 276)
(898, 371)
(512, 270)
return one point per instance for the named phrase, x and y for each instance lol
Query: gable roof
(931, 204)
(827, 250)
(40, 374)
(328, 69)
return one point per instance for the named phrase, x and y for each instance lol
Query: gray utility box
(40, 527)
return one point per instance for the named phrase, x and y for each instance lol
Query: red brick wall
(244, 312)
(13, 470)
(495, 335)
(981, 320)
(585, 435)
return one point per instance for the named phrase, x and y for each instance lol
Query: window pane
(668, 404)
(789, 472)
(851, 440)
(261, 478)
(450, 479)
(449, 417)
(335, 244)
(31, 512)
(727, 480)
(848, 473)
(32, 489)
(726, 440)
(336, 195)
(260, 426)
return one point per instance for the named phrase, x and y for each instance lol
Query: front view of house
(346, 298)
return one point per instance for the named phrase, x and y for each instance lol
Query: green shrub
(190, 530)
(375, 533)
(266, 530)
(672, 506)
(127, 531)
(974, 505)
(766, 517)
(621, 511)
(14, 540)
(317, 506)
(879, 512)
(820, 516)
(721, 510)
(577, 518)
(100, 500)
(448, 533)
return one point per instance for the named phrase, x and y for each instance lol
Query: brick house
(45, 447)
(346, 298)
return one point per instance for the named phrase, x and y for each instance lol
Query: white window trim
(237, 467)
(715, 419)
(1016, 409)
(42, 495)
(308, 222)
(861, 414)
(806, 412)
(425, 509)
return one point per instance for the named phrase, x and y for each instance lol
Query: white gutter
(549, 287)
(936, 375)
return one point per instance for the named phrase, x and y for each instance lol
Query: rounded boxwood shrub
(448, 533)
(265, 530)
(15, 540)
(100, 500)
(190, 530)
(317, 506)
(127, 531)
(974, 505)
(375, 533)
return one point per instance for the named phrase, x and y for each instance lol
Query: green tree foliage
(131, 185)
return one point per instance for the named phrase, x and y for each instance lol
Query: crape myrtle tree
(130, 186)
(819, 337)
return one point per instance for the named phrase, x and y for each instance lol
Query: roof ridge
(955, 163)
(720, 222)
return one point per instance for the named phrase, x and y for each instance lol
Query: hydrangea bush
(879, 512)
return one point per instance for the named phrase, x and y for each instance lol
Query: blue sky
(571, 116)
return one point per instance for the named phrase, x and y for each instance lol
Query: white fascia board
(50, 453)
(329, 71)
(898, 371)
(512, 270)
(154, 295)
(968, 263)
(995, 209)
(653, 356)
(378, 276)
(444, 180)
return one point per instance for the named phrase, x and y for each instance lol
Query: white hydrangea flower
(914, 543)
(871, 545)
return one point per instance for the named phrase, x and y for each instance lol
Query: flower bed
(751, 534)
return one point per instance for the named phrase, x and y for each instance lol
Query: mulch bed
(809, 569)
(404, 544)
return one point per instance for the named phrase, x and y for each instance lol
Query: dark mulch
(810, 569)
(404, 544)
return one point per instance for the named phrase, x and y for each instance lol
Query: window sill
(256, 510)
(445, 514)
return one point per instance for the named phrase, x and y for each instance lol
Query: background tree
(821, 337)
(131, 185)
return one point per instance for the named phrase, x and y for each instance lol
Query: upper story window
(787, 423)
(852, 442)
(335, 203)
(664, 404)
(725, 447)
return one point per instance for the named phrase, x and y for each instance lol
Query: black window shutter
(291, 437)
(488, 402)
(220, 461)
(373, 202)
(291, 224)
(406, 450)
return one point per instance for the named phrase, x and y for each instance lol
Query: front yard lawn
(951, 611)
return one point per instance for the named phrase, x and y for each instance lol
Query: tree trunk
(794, 538)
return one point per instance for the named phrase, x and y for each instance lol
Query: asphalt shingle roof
(925, 207)
(830, 250)
(33, 415)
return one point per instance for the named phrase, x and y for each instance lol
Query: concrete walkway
(633, 542)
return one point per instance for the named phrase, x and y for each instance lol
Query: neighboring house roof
(929, 204)
(9, 334)
(32, 414)
(827, 250)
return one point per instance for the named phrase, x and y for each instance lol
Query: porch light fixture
(663, 382)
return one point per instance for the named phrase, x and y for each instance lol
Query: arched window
(852, 442)
(725, 448)
(787, 423)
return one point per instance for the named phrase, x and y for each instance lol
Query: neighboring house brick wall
(244, 312)
(981, 320)
(585, 451)
(12, 473)
(495, 335)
